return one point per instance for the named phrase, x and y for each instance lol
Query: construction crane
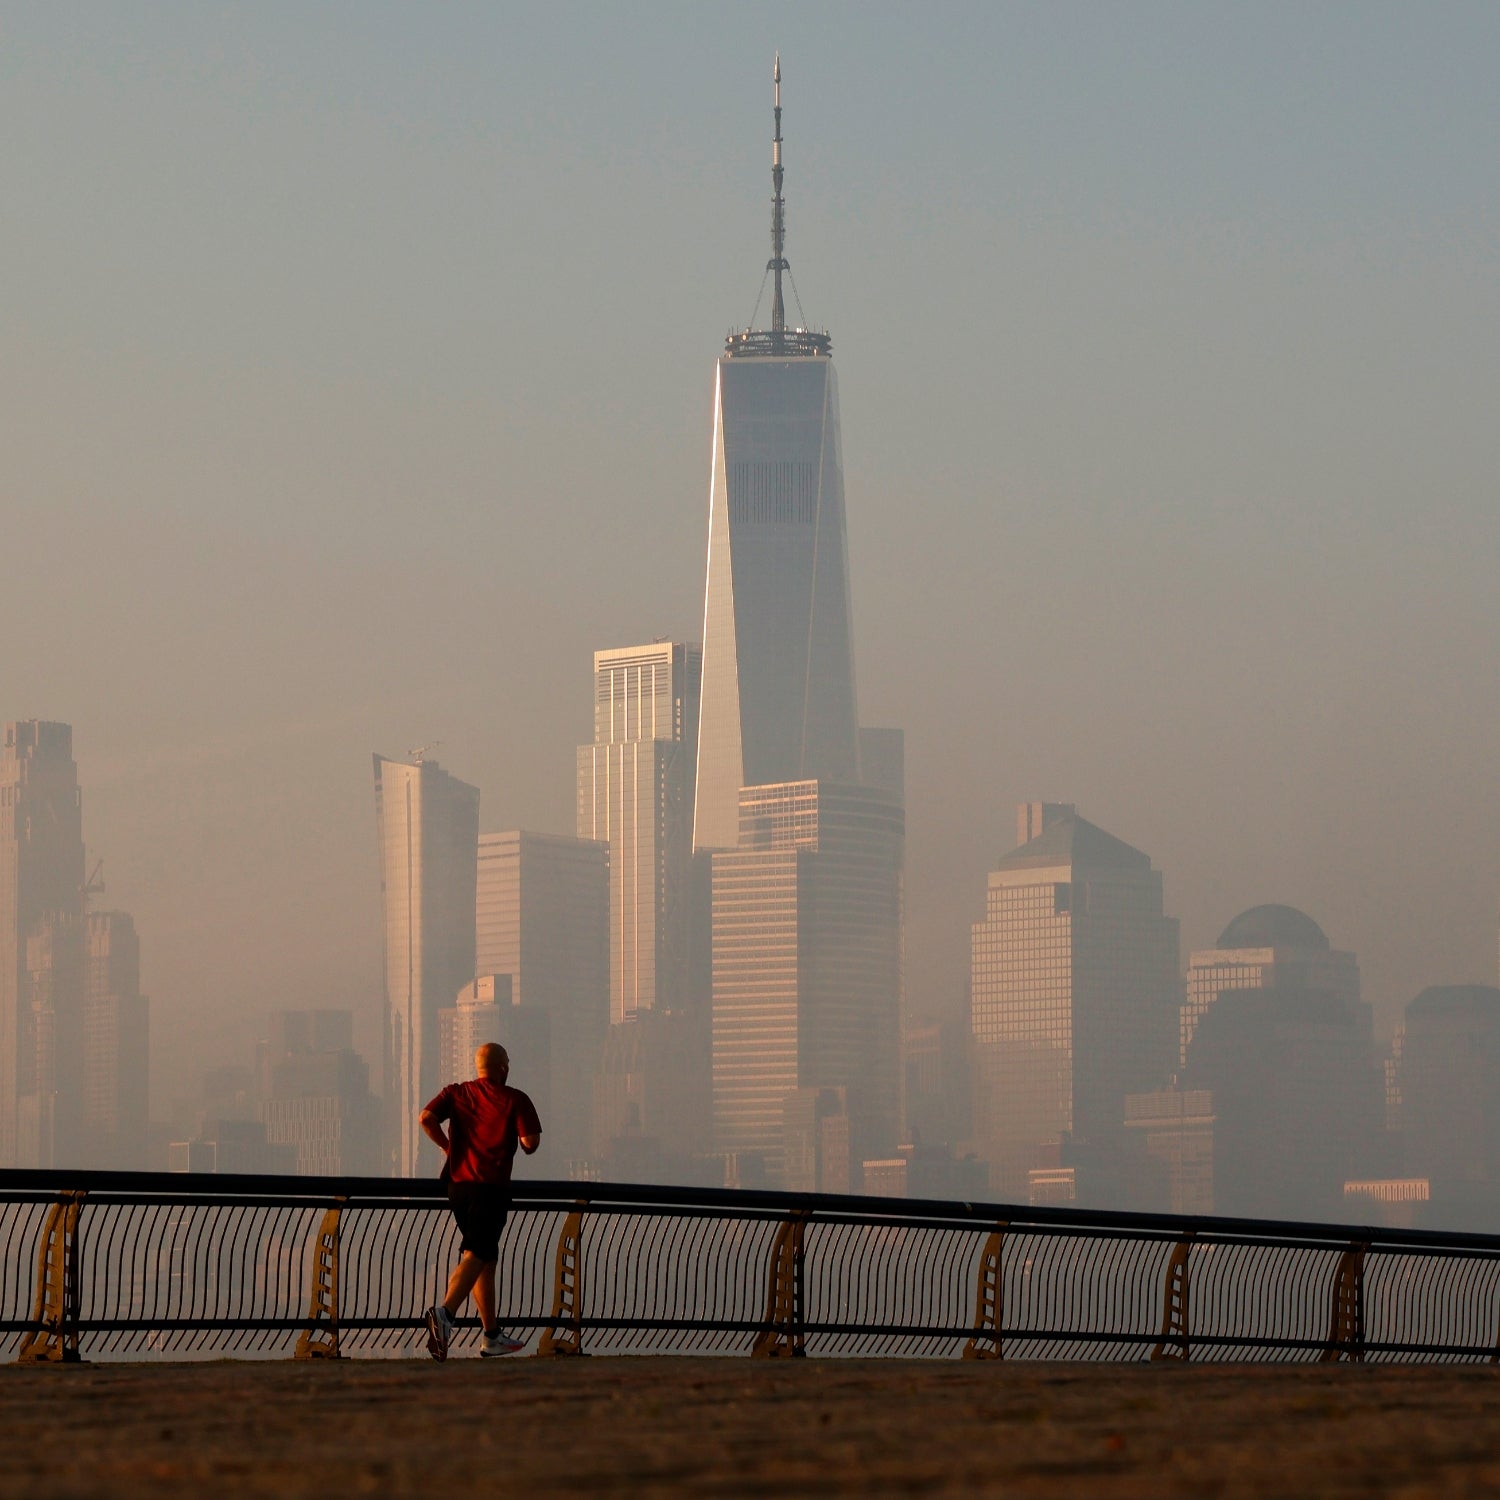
(94, 885)
(420, 753)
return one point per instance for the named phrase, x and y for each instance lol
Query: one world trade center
(778, 702)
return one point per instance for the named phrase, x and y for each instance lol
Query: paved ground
(718, 1426)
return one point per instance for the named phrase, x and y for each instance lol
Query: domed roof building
(1265, 946)
(1273, 926)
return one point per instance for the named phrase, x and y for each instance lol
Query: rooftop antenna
(778, 261)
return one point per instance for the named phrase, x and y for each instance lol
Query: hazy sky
(356, 385)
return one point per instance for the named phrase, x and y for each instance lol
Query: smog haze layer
(358, 380)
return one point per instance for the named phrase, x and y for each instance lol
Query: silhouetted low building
(1171, 1150)
(1449, 1079)
(316, 1096)
(1298, 1100)
(239, 1146)
(1390, 1202)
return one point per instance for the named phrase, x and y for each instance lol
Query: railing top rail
(603, 1197)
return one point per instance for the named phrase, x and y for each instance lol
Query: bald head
(492, 1061)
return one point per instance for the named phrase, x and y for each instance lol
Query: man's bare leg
(484, 1296)
(468, 1271)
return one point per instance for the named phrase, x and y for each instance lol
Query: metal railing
(146, 1265)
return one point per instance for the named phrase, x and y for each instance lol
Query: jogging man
(486, 1120)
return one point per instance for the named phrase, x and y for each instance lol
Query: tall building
(807, 964)
(428, 825)
(543, 919)
(116, 1044)
(1265, 946)
(41, 912)
(1073, 994)
(635, 793)
(778, 661)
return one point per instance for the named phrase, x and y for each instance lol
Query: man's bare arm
(432, 1128)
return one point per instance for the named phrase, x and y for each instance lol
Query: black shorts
(479, 1209)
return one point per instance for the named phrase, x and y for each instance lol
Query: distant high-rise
(1074, 991)
(543, 919)
(41, 916)
(807, 964)
(428, 823)
(635, 793)
(778, 662)
(116, 1037)
(1265, 946)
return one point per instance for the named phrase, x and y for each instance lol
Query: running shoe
(439, 1331)
(495, 1344)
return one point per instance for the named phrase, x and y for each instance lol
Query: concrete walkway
(719, 1426)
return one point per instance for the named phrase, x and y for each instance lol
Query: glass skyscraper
(428, 824)
(778, 660)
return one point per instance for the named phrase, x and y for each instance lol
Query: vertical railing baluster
(783, 1336)
(1176, 1313)
(985, 1341)
(55, 1340)
(320, 1340)
(564, 1334)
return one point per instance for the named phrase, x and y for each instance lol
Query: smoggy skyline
(359, 387)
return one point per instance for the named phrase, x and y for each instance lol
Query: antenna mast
(778, 261)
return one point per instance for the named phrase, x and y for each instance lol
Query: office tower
(778, 663)
(315, 1095)
(428, 824)
(116, 1052)
(635, 793)
(1073, 994)
(807, 964)
(1264, 946)
(1298, 1099)
(1450, 1098)
(543, 918)
(41, 910)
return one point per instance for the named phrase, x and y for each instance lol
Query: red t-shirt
(485, 1122)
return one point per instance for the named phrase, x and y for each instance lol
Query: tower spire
(778, 261)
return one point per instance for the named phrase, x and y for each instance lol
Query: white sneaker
(495, 1344)
(439, 1331)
